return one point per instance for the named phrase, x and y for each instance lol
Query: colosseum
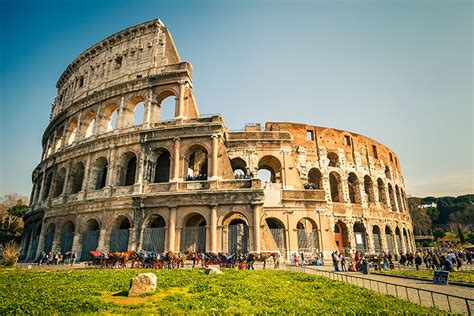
(117, 174)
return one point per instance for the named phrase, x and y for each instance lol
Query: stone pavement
(421, 292)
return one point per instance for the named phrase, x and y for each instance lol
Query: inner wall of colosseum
(116, 175)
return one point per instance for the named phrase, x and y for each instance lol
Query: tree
(12, 209)
(421, 219)
(433, 212)
(438, 233)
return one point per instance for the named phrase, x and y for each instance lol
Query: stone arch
(47, 184)
(154, 233)
(130, 115)
(333, 159)
(398, 238)
(167, 101)
(273, 165)
(393, 204)
(161, 162)
(99, 173)
(315, 179)
(376, 235)
(387, 173)
(109, 118)
(193, 233)
(38, 181)
(307, 233)
(71, 131)
(335, 185)
(196, 166)
(236, 227)
(88, 124)
(369, 189)
(90, 238)
(77, 177)
(360, 235)
(405, 239)
(120, 234)
(404, 200)
(275, 235)
(389, 239)
(381, 191)
(239, 167)
(59, 182)
(353, 188)
(58, 139)
(127, 169)
(399, 199)
(341, 236)
(67, 236)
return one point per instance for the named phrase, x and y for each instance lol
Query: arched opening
(197, 164)
(167, 106)
(193, 234)
(162, 167)
(369, 189)
(315, 179)
(333, 159)
(389, 239)
(89, 124)
(71, 130)
(127, 169)
(139, 114)
(377, 239)
(67, 237)
(335, 187)
(99, 173)
(307, 232)
(120, 234)
(77, 177)
(381, 191)
(237, 233)
(404, 200)
(269, 169)
(109, 118)
(39, 181)
(239, 167)
(58, 140)
(35, 241)
(398, 238)
(399, 199)
(277, 241)
(59, 183)
(360, 237)
(47, 184)
(49, 238)
(387, 173)
(341, 237)
(405, 239)
(393, 204)
(90, 238)
(353, 188)
(154, 234)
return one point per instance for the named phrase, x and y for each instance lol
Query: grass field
(461, 276)
(184, 291)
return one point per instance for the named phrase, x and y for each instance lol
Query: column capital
(256, 203)
(176, 139)
(217, 135)
(213, 205)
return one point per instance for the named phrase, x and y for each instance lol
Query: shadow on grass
(121, 293)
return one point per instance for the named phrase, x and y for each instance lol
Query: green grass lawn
(461, 276)
(184, 291)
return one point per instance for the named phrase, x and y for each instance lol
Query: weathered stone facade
(110, 180)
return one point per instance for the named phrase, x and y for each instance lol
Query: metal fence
(424, 297)
(238, 238)
(307, 240)
(119, 240)
(458, 276)
(193, 238)
(34, 248)
(48, 242)
(279, 237)
(154, 239)
(67, 239)
(90, 241)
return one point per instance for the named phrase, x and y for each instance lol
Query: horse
(263, 257)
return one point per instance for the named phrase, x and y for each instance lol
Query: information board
(440, 277)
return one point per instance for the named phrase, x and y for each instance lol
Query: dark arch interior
(157, 222)
(162, 168)
(274, 224)
(196, 220)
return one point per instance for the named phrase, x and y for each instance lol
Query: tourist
(73, 258)
(335, 261)
(342, 260)
(302, 258)
(418, 261)
(321, 256)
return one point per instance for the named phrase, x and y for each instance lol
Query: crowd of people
(439, 259)
(56, 258)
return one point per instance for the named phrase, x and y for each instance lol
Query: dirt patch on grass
(121, 298)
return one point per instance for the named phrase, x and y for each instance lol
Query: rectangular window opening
(309, 135)
(374, 149)
(391, 157)
(347, 140)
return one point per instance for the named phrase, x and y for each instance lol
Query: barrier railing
(464, 276)
(424, 297)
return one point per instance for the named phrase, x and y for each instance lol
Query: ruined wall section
(136, 52)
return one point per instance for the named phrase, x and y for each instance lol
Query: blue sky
(400, 72)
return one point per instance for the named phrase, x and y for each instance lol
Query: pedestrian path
(453, 298)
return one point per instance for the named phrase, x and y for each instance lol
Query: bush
(11, 253)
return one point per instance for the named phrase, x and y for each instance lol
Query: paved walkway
(417, 291)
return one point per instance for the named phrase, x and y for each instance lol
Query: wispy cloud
(452, 185)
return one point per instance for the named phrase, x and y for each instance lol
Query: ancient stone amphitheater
(117, 175)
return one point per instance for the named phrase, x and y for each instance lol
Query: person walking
(302, 258)
(342, 260)
(73, 258)
(335, 261)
